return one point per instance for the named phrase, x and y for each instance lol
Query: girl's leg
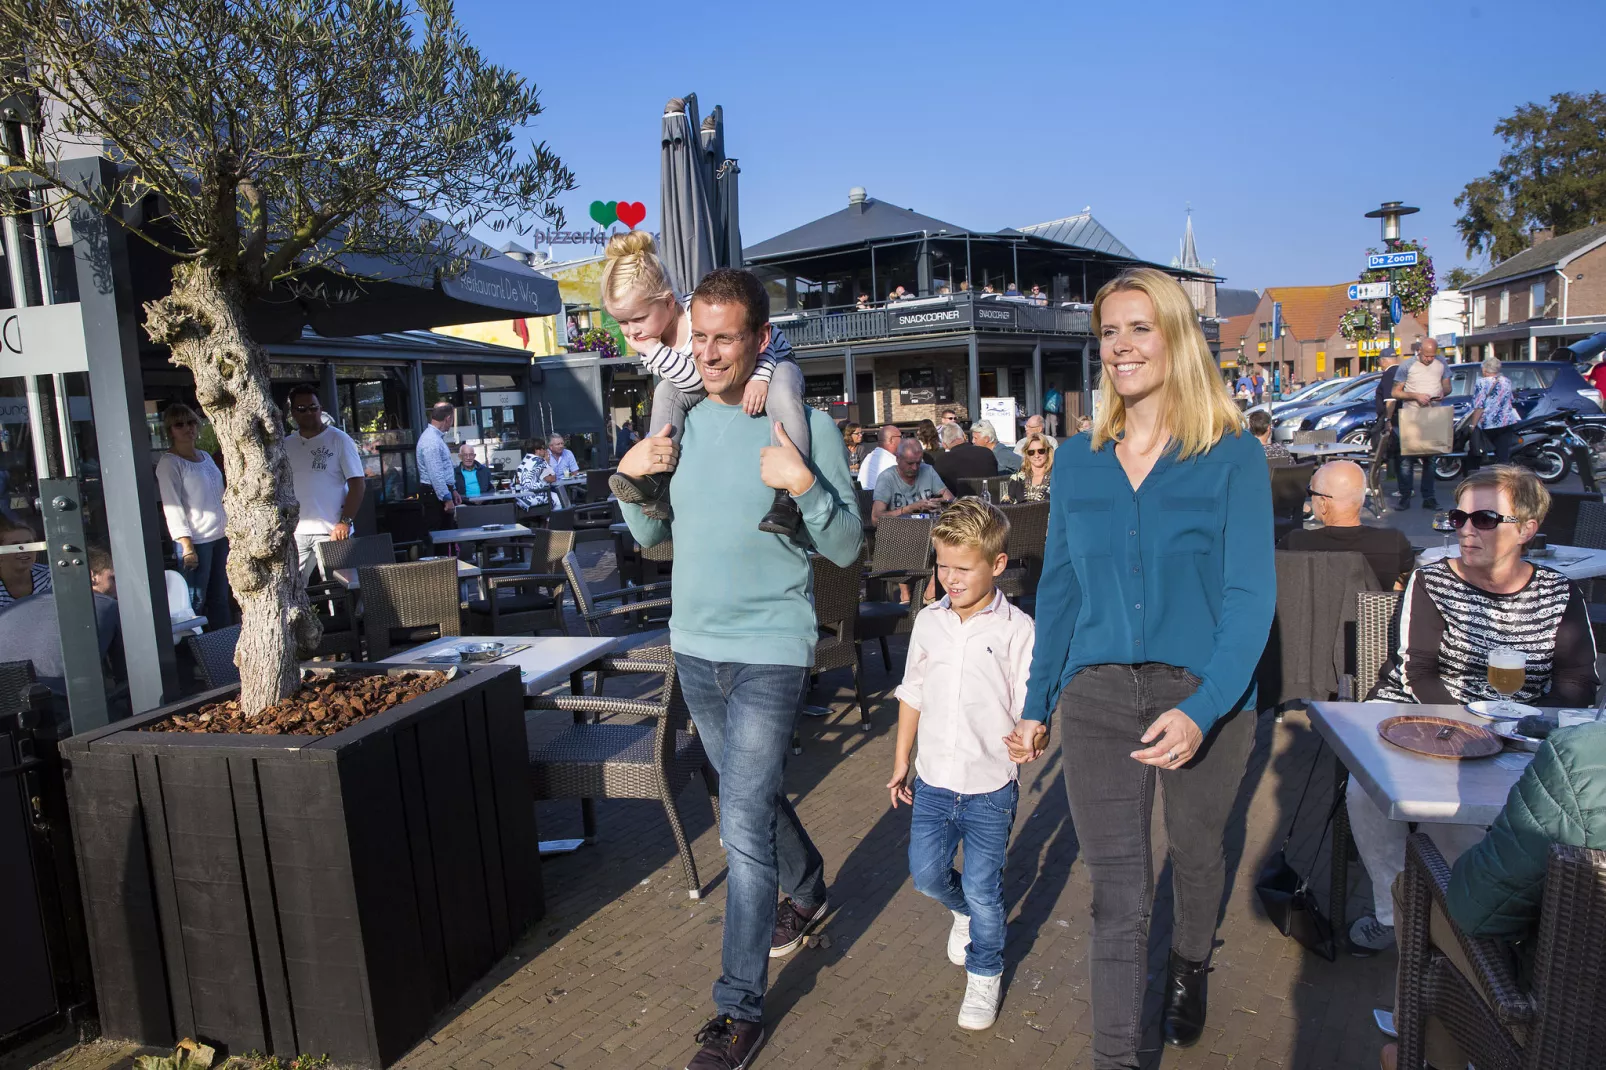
(786, 404)
(670, 404)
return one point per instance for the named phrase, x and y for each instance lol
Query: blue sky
(1280, 124)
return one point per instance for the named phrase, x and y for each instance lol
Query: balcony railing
(950, 314)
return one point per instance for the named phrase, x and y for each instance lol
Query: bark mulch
(320, 708)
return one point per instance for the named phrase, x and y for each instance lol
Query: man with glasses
(327, 473)
(743, 632)
(1337, 491)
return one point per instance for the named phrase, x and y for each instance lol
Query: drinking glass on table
(1441, 523)
(1508, 671)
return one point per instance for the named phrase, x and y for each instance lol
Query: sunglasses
(182, 423)
(307, 408)
(1312, 492)
(1482, 519)
(1037, 453)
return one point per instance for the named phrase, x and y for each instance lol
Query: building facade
(1549, 295)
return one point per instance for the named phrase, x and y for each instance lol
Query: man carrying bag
(1427, 428)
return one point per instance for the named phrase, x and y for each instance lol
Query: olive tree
(264, 139)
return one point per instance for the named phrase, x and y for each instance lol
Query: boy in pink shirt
(964, 686)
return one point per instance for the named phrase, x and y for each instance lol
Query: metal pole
(1087, 377)
(970, 280)
(47, 289)
(850, 380)
(1036, 399)
(69, 454)
(36, 425)
(874, 289)
(973, 382)
(1014, 263)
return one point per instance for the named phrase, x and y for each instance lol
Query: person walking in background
(964, 685)
(1053, 404)
(1419, 384)
(1493, 410)
(435, 475)
(743, 632)
(191, 487)
(327, 473)
(624, 439)
(1152, 615)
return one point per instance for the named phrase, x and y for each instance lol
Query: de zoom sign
(42, 340)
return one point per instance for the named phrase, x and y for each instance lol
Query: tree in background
(260, 139)
(1457, 277)
(1552, 174)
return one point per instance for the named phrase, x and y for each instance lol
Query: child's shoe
(649, 492)
(980, 1008)
(958, 938)
(784, 517)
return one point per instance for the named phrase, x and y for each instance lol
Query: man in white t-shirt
(883, 457)
(328, 476)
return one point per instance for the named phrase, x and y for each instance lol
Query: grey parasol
(727, 218)
(685, 189)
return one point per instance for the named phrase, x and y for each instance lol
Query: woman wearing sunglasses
(1454, 612)
(1154, 606)
(1031, 483)
(191, 486)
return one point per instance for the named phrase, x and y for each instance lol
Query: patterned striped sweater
(1448, 627)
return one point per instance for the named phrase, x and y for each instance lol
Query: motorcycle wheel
(1551, 465)
(1447, 468)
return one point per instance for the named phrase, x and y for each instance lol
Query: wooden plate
(1438, 737)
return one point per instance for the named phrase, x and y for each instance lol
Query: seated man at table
(1260, 427)
(1337, 492)
(471, 477)
(960, 459)
(562, 459)
(910, 486)
(1453, 613)
(1497, 885)
(30, 631)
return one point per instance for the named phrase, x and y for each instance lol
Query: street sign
(1395, 311)
(1368, 291)
(1391, 260)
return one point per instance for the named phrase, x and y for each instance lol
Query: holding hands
(1028, 742)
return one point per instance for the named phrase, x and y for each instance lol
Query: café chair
(652, 758)
(407, 604)
(335, 604)
(836, 617)
(1556, 1024)
(902, 557)
(595, 611)
(1326, 434)
(1288, 486)
(524, 603)
(213, 653)
(589, 523)
(1028, 540)
(597, 485)
(16, 687)
(404, 523)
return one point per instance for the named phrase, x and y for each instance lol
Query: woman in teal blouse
(1154, 606)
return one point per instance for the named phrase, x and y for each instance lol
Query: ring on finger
(1171, 756)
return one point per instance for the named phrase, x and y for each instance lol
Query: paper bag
(1426, 430)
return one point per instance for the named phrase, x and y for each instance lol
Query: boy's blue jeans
(940, 821)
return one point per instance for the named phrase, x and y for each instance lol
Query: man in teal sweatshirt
(743, 633)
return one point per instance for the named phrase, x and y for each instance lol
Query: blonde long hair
(1196, 405)
(631, 270)
(1026, 465)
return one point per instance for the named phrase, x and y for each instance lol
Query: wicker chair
(590, 604)
(536, 600)
(16, 684)
(472, 516)
(597, 485)
(214, 656)
(499, 555)
(1559, 1023)
(404, 522)
(355, 552)
(836, 614)
(1028, 539)
(651, 759)
(409, 603)
(341, 634)
(1326, 434)
(590, 523)
(902, 555)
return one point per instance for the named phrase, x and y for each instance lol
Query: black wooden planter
(327, 896)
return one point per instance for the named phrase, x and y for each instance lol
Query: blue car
(1353, 392)
(1540, 386)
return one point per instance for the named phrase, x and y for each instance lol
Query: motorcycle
(1550, 444)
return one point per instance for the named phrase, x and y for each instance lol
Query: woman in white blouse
(192, 500)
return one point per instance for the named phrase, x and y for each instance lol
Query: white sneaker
(980, 1008)
(958, 938)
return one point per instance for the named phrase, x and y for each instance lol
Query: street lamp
(1390, 212)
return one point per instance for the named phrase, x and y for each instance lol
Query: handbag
(1287, 896)
(1426, 430)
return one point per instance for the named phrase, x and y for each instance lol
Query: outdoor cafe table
(1315, 451)
(1574, 562)
(492, 497)
(545, 660)
(1407, 786)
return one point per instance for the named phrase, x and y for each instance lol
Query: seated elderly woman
(1453, 613)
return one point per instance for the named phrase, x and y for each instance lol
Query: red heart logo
(631, 212)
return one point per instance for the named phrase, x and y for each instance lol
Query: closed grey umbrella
(727, 225)
(685, 188)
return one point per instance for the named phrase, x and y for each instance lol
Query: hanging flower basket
(1359, 322)
(599, 340)
(1414, 286)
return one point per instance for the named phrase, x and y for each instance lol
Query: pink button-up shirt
(968, 680)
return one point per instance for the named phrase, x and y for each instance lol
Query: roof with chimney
(865, 220)
(1543, 256)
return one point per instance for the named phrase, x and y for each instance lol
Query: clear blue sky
(1281, 124)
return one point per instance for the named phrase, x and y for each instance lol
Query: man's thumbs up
(781, 466)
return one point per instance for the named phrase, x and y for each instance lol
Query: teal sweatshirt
(742, 595)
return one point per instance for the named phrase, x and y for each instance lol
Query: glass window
(1505, 306)
(1480, 310)
(1536, 300)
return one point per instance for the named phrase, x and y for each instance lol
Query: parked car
(1355, 393)
(1540, 386)
(1310, 394)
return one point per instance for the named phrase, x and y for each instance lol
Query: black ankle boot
(649, 492)
(1184, 1001)
(784, 516)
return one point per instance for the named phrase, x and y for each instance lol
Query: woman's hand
(754, 397)
(1028, 742)
(1175, 738)
(188, 558)
(898, 786)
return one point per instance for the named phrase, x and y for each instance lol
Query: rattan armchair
(902, 556)
(1558, 1024)
(409, 603)
(16, 686)
(214, 656)
(593, 606)
(533, 600)
(1028, 539)
(341, 634)
(653, 758)
(836, 615)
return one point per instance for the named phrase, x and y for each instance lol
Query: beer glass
(1508, 671)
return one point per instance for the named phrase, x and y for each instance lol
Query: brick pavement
(618, 972)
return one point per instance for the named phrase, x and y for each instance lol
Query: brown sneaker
(792, 926)
(728, 1044)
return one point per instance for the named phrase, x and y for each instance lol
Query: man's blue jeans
(1405, 476)
(940, 821)
(745, 715)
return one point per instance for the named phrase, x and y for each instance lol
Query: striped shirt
(680, 368)
(1448, 626)
(39, 574)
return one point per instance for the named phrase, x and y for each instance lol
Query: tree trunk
(203, 322)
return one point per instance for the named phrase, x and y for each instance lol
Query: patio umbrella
(727, 219)
(685, 190)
